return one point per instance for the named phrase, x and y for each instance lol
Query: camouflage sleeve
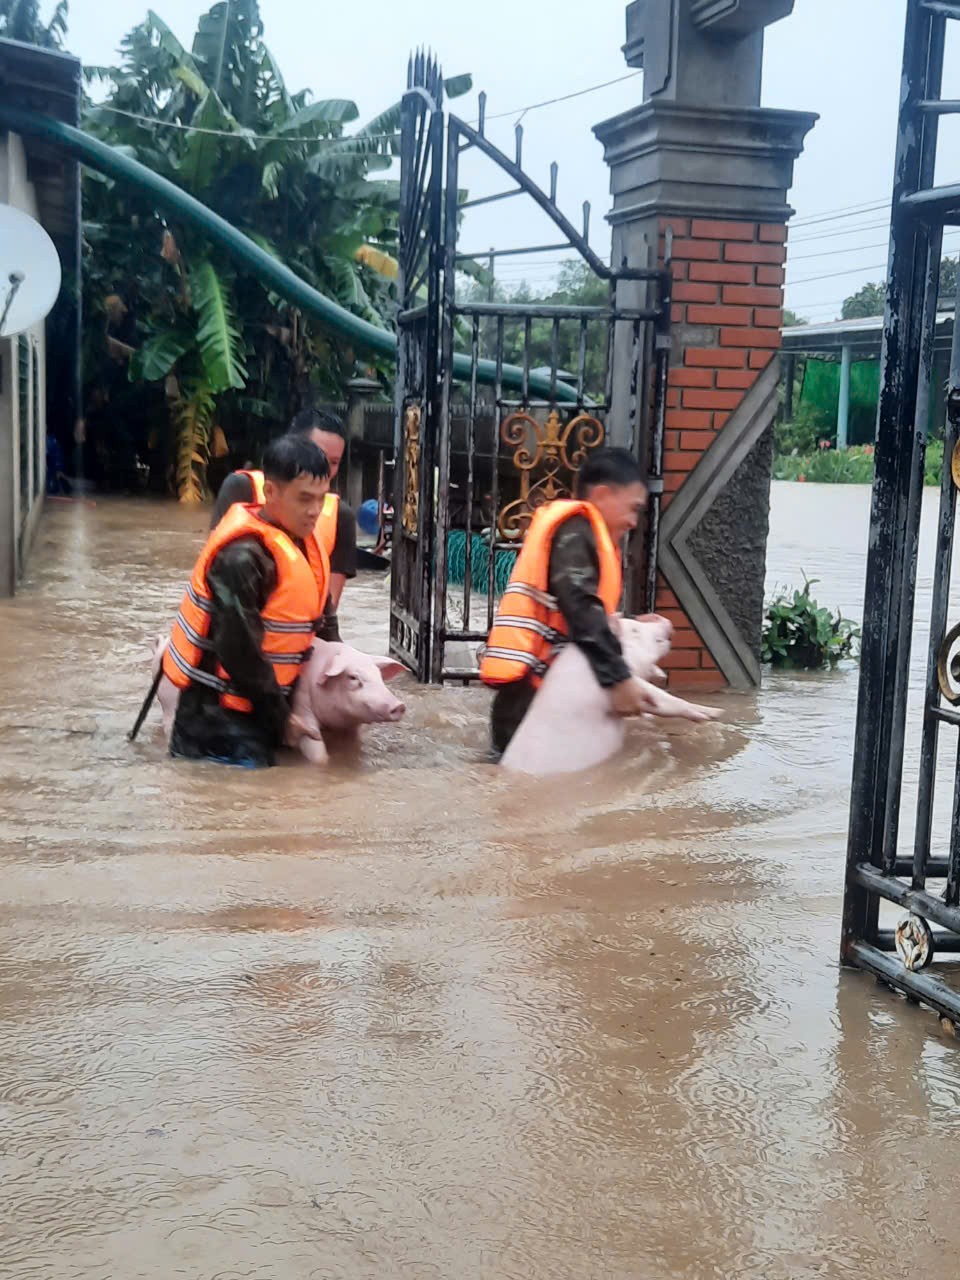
(575, 580)
(241, 579)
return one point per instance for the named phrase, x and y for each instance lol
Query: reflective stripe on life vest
(529, 629)
(326, 530)
(289, 615)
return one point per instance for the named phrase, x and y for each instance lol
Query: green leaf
(186, 70)
(154, 360)
(329, 115)
(457, 86)
(270, 70)
(218, 335)
(202, 153)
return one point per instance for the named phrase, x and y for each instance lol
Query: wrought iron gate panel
(417, 391)
(877, 871)
(524, 443)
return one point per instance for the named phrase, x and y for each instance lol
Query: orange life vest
(529, 629)
(326, 530)
(289, 616)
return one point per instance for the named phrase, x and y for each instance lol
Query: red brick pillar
(727, 313)
(700, 156)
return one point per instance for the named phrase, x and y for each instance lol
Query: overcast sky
(840, 58)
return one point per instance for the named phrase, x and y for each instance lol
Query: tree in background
(871, 299)
(220, 348)
(20, 20)
(868, 301)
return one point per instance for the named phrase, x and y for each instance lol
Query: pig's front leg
(662, 703)
(314, 751)
(303, 734)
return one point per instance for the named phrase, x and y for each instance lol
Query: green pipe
(98, 155)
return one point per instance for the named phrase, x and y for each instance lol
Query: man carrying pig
(566, 586)
(249, 615)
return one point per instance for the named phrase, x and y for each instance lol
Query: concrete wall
(23, 409)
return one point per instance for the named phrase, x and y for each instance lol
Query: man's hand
(629, 698)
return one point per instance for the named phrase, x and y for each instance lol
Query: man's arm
(241, 579)
(328, 628)
(236, 488)
(575, 581)
(343, 561)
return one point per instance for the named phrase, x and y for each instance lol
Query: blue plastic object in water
(368, 517)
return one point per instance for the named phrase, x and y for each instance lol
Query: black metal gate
(526, 423)
(418, 388)
(877, 870)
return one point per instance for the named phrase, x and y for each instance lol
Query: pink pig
(570, 725)
(339, 689)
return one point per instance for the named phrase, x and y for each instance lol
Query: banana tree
(297, 175)
(20, 20)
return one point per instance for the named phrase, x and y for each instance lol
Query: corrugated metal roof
(49, 82)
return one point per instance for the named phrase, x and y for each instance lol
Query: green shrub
(933, 462)
(802, 434)
(847, 466)
(828, 466)
(797, 632)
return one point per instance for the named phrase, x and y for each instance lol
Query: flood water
(415, 1018)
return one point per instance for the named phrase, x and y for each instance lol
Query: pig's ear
(389, 669)
(332, 662)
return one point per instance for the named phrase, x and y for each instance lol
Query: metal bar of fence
(492, 199)
(925, 987)
(548, 311)
(935, 715)
(471, 422)
(919, 901)
(514, 253)
(911, 544)
(581, 363)
(495, 485)
(943, 941)
(554, 355)
(952, 894)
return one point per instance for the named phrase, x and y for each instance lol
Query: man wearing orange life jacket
(337, 528)
(249, 615)
(565, 586)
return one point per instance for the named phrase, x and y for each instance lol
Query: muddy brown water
(413, 1018)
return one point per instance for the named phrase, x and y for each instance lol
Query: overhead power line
(245, 135)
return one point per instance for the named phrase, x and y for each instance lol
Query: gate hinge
(655, 485)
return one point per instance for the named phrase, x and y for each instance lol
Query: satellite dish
(29, 272)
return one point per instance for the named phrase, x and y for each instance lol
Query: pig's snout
(397, 712)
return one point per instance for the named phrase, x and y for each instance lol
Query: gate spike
(482, 99)
(554, 171)
(586, 219)
(519, 135)
(410, 71)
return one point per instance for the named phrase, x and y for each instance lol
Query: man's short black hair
(614, 467)
(308, 420)
(292, 456)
